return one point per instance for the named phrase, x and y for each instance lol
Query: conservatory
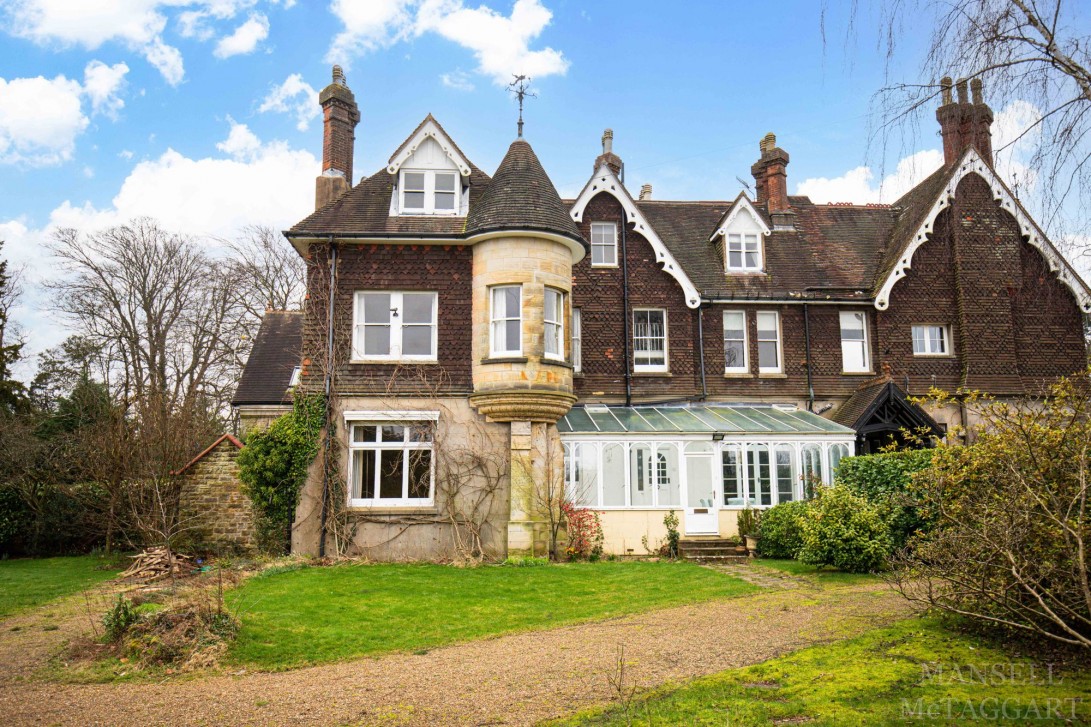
(633, 464)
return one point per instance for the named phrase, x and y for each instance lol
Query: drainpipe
(328, 443)
(701, 349)
(627, 314)
(807, 344)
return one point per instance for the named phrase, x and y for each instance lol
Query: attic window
(744, 252)
(426, 192)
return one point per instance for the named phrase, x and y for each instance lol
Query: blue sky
(201, 113)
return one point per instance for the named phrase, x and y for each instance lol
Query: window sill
(556, 362)
(857, 373)
(747, 273)
(933, 355)
(738, 375)
(423, 213)
(603, 266)
(772, 375)
(505, 359)
(413, 361)
(393, 509)
(653, 374)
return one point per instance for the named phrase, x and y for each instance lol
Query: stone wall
(212, 499)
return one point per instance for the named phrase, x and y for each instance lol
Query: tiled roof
(520, 196)
(833, 246)
(276, 352)
(849, 413)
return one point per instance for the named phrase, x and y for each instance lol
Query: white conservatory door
(702, 516)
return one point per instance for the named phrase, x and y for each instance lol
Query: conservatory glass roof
(696, 419)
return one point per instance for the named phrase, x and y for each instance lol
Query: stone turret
(524, 246)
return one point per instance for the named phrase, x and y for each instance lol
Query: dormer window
(426, 192)
(744, 252)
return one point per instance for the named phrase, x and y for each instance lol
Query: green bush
(884, 480)
(781, 529)
(119, 618)
(273, 468)
(844, 530)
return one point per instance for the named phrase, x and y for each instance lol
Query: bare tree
(158, 309)
(1033, 51)
(272, 271)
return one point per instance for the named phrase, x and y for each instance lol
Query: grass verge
(826, 576)
(29, 582)
(918, 670)
(317, 615)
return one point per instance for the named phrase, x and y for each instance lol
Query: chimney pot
(768, 142)
(961, 86)
(975, 89)
(646, 191)
(339, 76)
(608, 157)
(608, 141)
(946, 84)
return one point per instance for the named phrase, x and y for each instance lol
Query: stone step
(705, 544)
(718, 551)
(702, 558)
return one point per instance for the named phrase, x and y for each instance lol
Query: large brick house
(700, 356)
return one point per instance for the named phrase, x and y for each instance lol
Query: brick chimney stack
(340, 115)
(771, 175)
(608, 157)
(966, 122)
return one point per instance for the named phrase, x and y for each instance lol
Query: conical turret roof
(521, 197)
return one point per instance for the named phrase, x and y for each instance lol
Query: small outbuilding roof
(703, 419)
(277, 350)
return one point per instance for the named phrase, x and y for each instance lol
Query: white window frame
(406, 419)
(557, 324)
(745, 366)
(493, 320)
(577, 340)
(945, 335)
(396, 298)
(611, 245)
(779, 368)
(429, 190)
(652, 368)
(865, 367)
(739, 241)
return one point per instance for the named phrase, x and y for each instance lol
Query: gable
(426, 140)
(972, 163)
(742, 217)
(604, 180)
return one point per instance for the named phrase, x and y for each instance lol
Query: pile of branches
(154, 564)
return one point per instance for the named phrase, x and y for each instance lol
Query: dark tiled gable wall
(446, 270)
(1014, 326)
(598, 293)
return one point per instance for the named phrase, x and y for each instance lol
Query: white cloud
(856, 185)
(40, 118)
(102, 84)
(368, 26)
(245, 39)
(294, 96)
(501, 44)
(257, 182)
(167, 60)
(1016, 131)
(241, 143)
(458, 80)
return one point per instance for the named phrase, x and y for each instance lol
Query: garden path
(516, 679)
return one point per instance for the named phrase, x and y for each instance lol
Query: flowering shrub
(584, 533)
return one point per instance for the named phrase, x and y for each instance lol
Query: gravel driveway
(510, 680)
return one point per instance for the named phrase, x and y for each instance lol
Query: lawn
(827, 576)
(29, 582)
(887, 676)
(315, 615)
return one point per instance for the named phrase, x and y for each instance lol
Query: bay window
(506, 320)
(553, 324)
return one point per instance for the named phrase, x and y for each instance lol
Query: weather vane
(519, 87)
